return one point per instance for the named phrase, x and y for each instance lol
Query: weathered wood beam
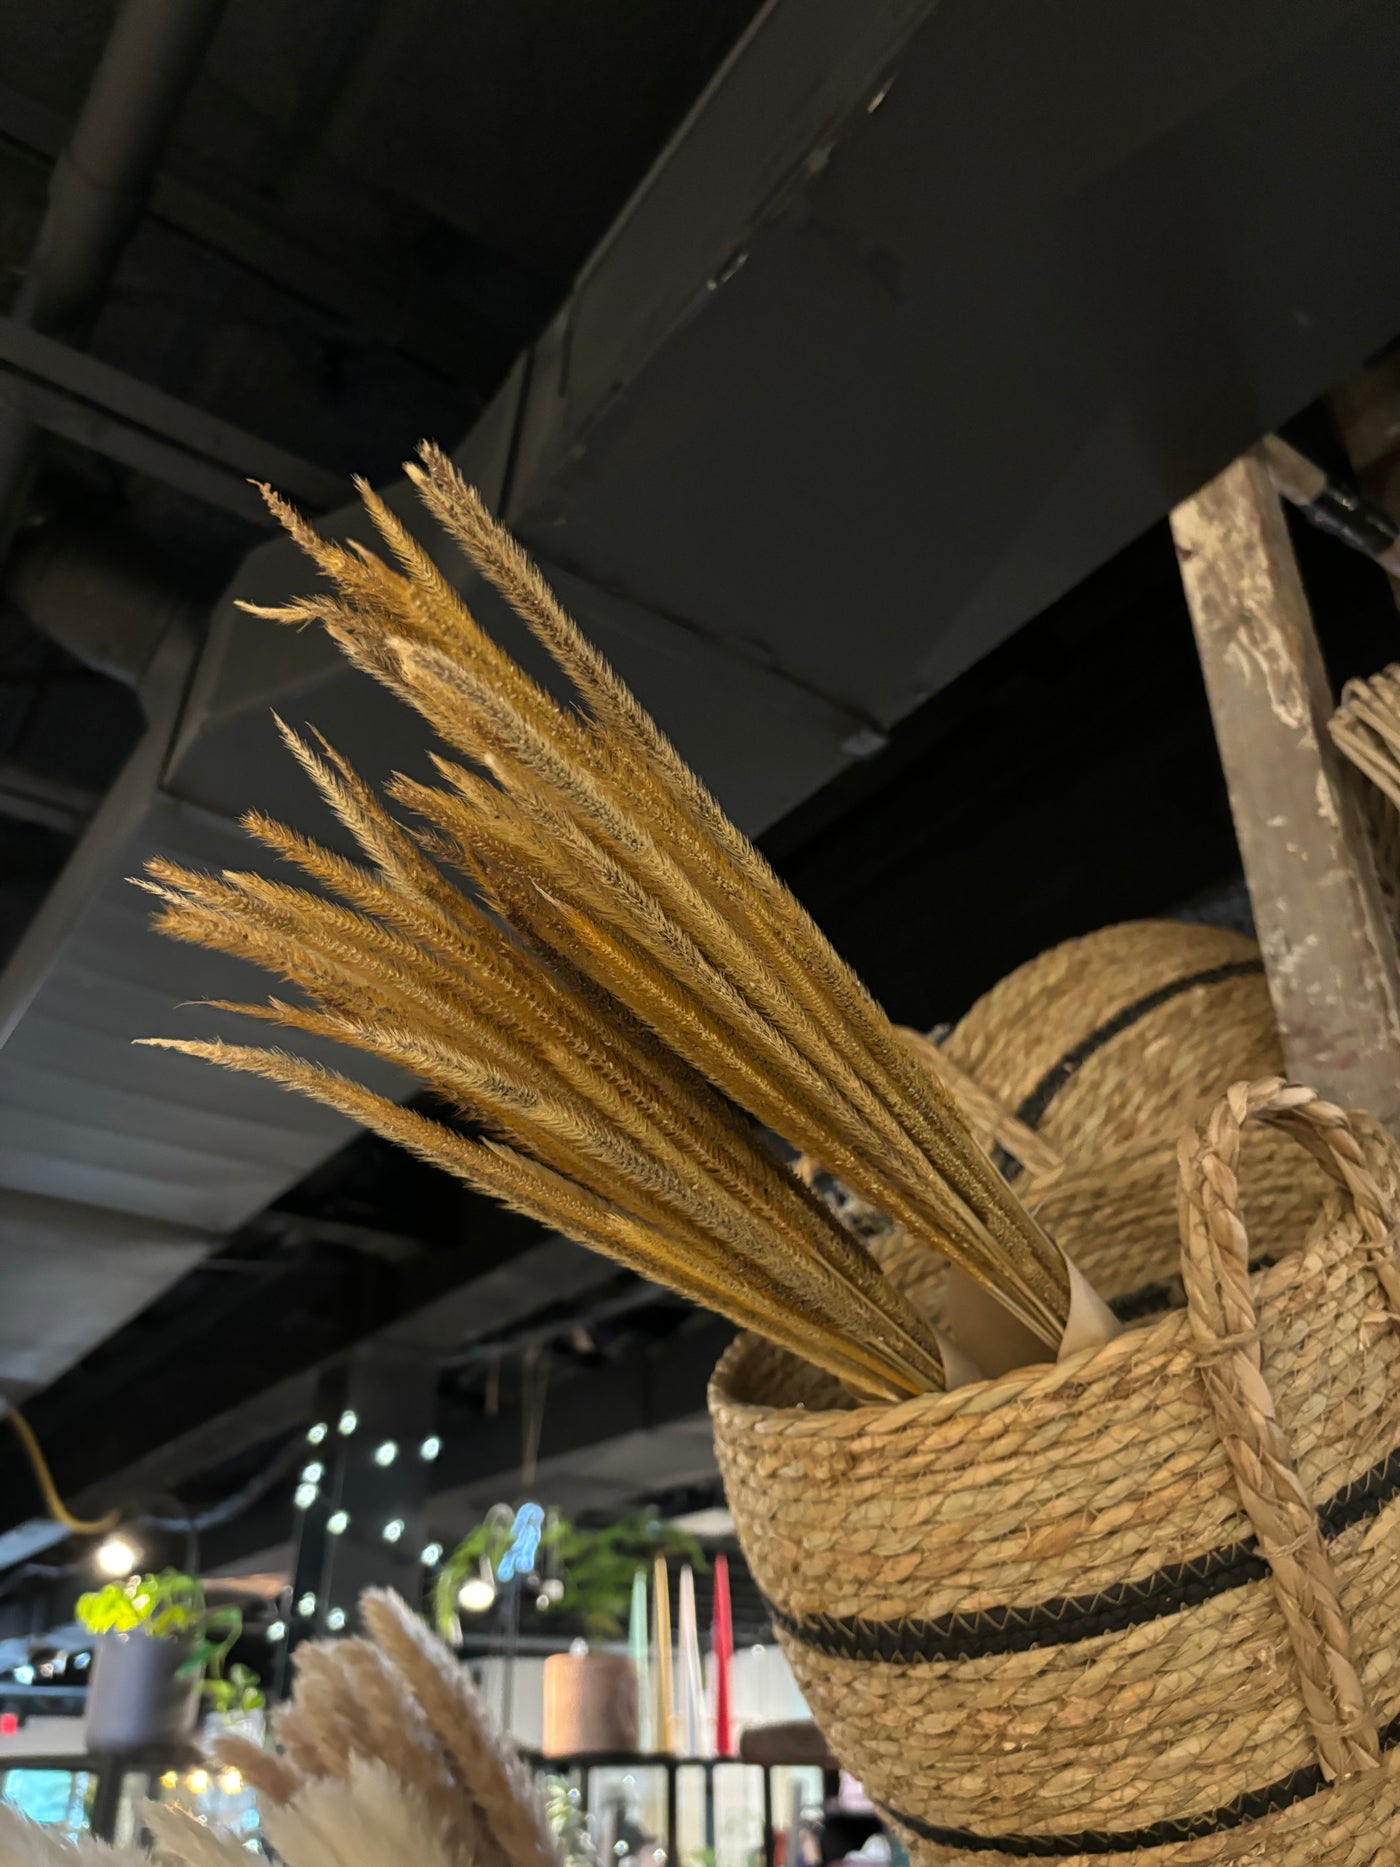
(1328, 949)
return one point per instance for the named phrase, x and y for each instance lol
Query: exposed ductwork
(99, 189)
(102, 595)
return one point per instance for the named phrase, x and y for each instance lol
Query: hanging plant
(595, 1567)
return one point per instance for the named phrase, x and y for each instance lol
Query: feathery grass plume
(396, 1730)
(269, 1775)
(24, 1843)
(488, 1762)
(767, 911)
(184, 1841)
(370, 1819)
(621, 999)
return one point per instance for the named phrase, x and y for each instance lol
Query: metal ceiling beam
(30, 797)
(98, 190)
(53, 386)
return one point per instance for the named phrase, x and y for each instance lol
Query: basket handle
(1220, 1306)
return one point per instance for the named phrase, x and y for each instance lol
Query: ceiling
(839, 363)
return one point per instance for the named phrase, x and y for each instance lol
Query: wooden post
(1327, 944)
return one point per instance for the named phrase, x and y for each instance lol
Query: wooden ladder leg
(1328, 947)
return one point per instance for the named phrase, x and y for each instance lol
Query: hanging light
(430, 1448)
(347, 1422)
(431, 1555)
(305, 1495)
(315, 1434)
(276, 1630)
(478, 1591)
(386, 1452)
(313, 1473)
(306, 1605)
(335, 1619)
(338, 1522)
(117, 1556)
(393, 1530)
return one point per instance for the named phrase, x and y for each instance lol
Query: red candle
(722, 1643)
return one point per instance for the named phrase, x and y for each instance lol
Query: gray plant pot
(134, 1699)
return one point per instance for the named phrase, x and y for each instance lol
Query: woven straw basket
(1143, 1605)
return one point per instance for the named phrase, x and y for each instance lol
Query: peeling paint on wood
(1327, 944)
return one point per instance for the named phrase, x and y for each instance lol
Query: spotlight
(117, 1557)
(478, 1591)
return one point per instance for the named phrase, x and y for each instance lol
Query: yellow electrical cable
(57, 1509)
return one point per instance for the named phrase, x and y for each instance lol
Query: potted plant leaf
(160, 1645)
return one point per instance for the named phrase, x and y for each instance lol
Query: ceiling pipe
(103, 596)
(98, 191)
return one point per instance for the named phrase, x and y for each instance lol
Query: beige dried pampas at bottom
(387, 1758)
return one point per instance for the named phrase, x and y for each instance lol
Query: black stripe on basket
(1032, 1110)
(1244, 1809)
(1065, 1619)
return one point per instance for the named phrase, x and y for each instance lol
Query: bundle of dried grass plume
(624, 999)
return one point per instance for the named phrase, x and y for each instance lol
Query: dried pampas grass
(386, 1756)
(625, 996)
(24, 1844)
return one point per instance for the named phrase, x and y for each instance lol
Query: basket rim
(1087, 1368)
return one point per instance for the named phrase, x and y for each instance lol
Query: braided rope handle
(1220, 1306)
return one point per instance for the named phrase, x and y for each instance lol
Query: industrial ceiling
(839, 363)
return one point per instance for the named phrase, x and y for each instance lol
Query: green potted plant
(160, 1645)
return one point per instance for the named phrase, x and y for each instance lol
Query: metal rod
(1331, 505)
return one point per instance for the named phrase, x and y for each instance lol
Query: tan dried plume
(624, 1000)
(400, 1702)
